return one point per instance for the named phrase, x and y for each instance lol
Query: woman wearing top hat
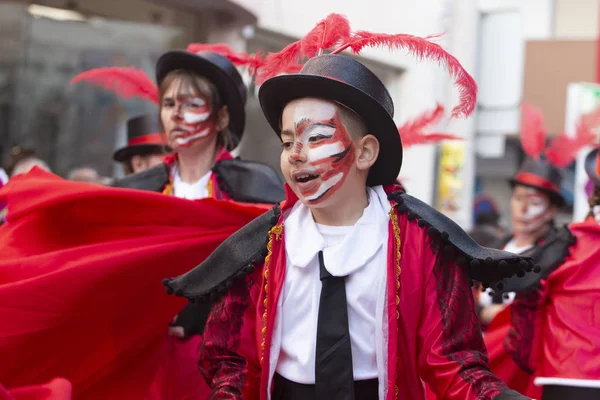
(352, 289)
(201, 106)
(201, 99)
(146, 145)
(536, 198)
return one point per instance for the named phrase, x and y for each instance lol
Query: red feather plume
(332, 30)
(252, 62)
(563, 149)
(411, 132)
(422, 48)
(126, 82)
(533, 131)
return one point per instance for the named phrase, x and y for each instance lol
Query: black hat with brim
(217, 69)
(143, 137)
(345, 81)
(591, 161)
(126, 153)
(542, 176)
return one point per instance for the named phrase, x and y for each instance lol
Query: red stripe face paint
(186, 117)
(318, 154)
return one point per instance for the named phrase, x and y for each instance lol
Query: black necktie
(334, 379)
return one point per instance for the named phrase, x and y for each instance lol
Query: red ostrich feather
(411, 132)
(533, 131)
(126, 82)
(563, 149)
(422, 48)
(241, 59)
(332, 30)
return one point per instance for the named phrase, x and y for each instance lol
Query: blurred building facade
(559, 47)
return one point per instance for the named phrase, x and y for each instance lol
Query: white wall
(577, 19)
(538, 15)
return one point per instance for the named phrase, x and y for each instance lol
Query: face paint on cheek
(196, 123)
(535, 210)
(536, 215)
(332, 160)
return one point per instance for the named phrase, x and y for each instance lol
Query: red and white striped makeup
(318, 153)
(186, 118)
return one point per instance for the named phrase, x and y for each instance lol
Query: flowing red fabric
(501, 362)
(568, 333)
(56, 389)
(570, 345)
(81, 267)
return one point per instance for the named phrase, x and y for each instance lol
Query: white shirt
(190, 191)
(512, 247)
(359, 252)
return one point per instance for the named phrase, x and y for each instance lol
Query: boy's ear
(367, 152)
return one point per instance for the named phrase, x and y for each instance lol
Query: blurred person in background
(88, 175)
(487, 230)
(22, 161)
(548, 345)
(535, 201)
(146, 145)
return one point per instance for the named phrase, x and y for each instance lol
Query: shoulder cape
(243, 181)
(548, 256)
(249, 181)
(242, 252)
(153, 179)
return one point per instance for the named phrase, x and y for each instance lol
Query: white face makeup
(186, 117)
(531, 210)
(317, 150)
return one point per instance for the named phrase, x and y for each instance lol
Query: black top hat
(540, 175)
(348, 82)
(217, 69)
(143, 137)
(591, 169)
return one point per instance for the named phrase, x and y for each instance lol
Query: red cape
(567, 331)
(80, 279)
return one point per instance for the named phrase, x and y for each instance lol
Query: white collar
(190, 191)
(303, 241)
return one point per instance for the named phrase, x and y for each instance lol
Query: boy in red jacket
(360, 291)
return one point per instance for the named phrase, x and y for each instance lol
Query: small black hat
(143, 136)
(346, 81)
(541, 175)
(217, 69)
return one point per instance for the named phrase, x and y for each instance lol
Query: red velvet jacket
(554, 332)
(433, 331)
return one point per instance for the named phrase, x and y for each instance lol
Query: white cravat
(191, 191)
(359, 252)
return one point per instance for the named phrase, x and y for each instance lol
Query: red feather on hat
(411, 132)
(563, 149)
(253, 62)
(422, 48)
(332, 30)
(126, 82)
(533, 131)
(335, 30)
